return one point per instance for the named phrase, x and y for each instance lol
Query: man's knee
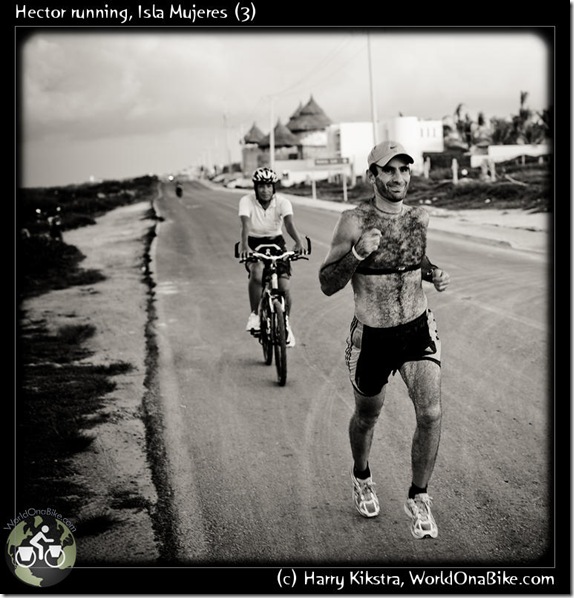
(363, 422)
(367, 411)
(255, 274)
(429, 416)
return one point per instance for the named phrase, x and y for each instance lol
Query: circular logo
(41, 550)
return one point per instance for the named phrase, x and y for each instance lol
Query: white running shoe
(423, 524)
(290, 336)
(253, 323)
(364, 496)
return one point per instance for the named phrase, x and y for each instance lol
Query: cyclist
(262, 214)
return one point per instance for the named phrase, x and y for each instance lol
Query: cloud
(106, 84)
(197, 90)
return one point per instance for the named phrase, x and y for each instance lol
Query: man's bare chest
(403, 241)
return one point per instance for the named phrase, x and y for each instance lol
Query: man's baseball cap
(385, 151)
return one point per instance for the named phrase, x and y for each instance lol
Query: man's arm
(348, 248)
(293, 233)
(427, 268)
(286, 210)
(334, 276)
(434, 274)
(245, 226)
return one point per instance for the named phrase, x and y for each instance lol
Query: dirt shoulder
(114, 470)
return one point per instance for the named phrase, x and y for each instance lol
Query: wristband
(428, 274)
(356, 254)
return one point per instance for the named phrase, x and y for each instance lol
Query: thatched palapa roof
(282, 137)
(310, 117)
(254, 135)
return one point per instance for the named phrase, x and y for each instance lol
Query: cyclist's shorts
(372, 354)
(283, 268)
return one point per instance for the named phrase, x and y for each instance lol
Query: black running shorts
(372, 354)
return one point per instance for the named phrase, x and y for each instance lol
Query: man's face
(392, 180)
(264, 191)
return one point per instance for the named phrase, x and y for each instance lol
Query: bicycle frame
(270, 278)
(272, 333)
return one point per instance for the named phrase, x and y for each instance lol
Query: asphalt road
(260, 474)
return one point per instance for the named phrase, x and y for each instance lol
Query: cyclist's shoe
(253, 323)
(364, 496)
(422, 524)
(290, 336)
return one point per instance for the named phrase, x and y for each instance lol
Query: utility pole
(373, 102)
(229, 165)
(271, 135)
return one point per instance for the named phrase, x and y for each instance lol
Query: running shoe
(290, 336)
(423, 524)
(252, 323)
(364, 496)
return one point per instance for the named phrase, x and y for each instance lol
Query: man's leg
(254, 285)
(285, 286)
(254, 291)
(423, 380)
(362, 427)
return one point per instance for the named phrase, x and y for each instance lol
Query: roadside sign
(330, 161)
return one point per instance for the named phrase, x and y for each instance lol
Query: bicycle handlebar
(255, 256)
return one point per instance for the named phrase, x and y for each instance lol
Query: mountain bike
(272, 333)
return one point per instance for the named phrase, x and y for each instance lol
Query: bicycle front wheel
(265, 336)
(280, 343)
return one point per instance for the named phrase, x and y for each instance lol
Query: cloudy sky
(115, 104)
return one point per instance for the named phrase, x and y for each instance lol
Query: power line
(318, 82)
(326, 59)
(318, 68)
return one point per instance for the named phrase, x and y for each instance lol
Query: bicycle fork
(268, 309)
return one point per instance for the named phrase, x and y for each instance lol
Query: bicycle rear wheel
(265, 337)
(280, 343)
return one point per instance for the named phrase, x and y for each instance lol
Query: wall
(299, 171)
(501, 153)
(355, 143)
(249, 158)
(417, 136)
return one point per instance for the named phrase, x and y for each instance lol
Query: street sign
(330, 161)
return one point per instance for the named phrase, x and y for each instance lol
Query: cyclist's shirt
(269, 222)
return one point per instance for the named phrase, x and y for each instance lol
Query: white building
(354, 140)
(502, 153)
(321, 149)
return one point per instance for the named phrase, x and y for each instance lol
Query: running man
(380, 246)
(262, 214)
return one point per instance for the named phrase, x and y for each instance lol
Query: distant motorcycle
(179, 190)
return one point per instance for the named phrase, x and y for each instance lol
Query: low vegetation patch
(526, 187)
(60, 395)
(57, 399)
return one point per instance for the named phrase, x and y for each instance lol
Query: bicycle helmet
(265, 175)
